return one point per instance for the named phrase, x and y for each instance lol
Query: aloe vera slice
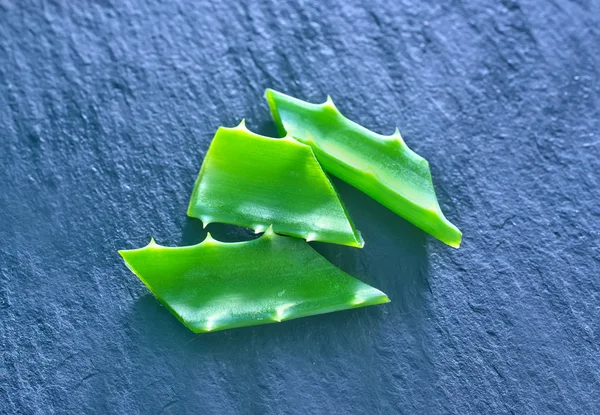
(255, 181)
(215, 285)
(381, 166)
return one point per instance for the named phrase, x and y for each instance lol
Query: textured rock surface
(107, 108)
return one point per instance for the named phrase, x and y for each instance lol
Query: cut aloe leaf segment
(215, 285)
(381, 166)
(255, 181)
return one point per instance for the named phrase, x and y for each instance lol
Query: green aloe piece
(381, 166)
(215, 286)
(255, 181)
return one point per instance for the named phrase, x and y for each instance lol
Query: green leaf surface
(215, 286)
(254, 181)
(381, 166)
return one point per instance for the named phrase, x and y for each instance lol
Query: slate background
(107, 108)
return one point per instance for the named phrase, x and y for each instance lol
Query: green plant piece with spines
(381, 166)
(216, 286)
(255, 181)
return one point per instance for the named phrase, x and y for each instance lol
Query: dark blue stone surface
(107, 108)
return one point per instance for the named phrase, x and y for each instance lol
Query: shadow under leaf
(194, 232)
(394, 258)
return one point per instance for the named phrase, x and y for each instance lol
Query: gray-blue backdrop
(107, 108)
